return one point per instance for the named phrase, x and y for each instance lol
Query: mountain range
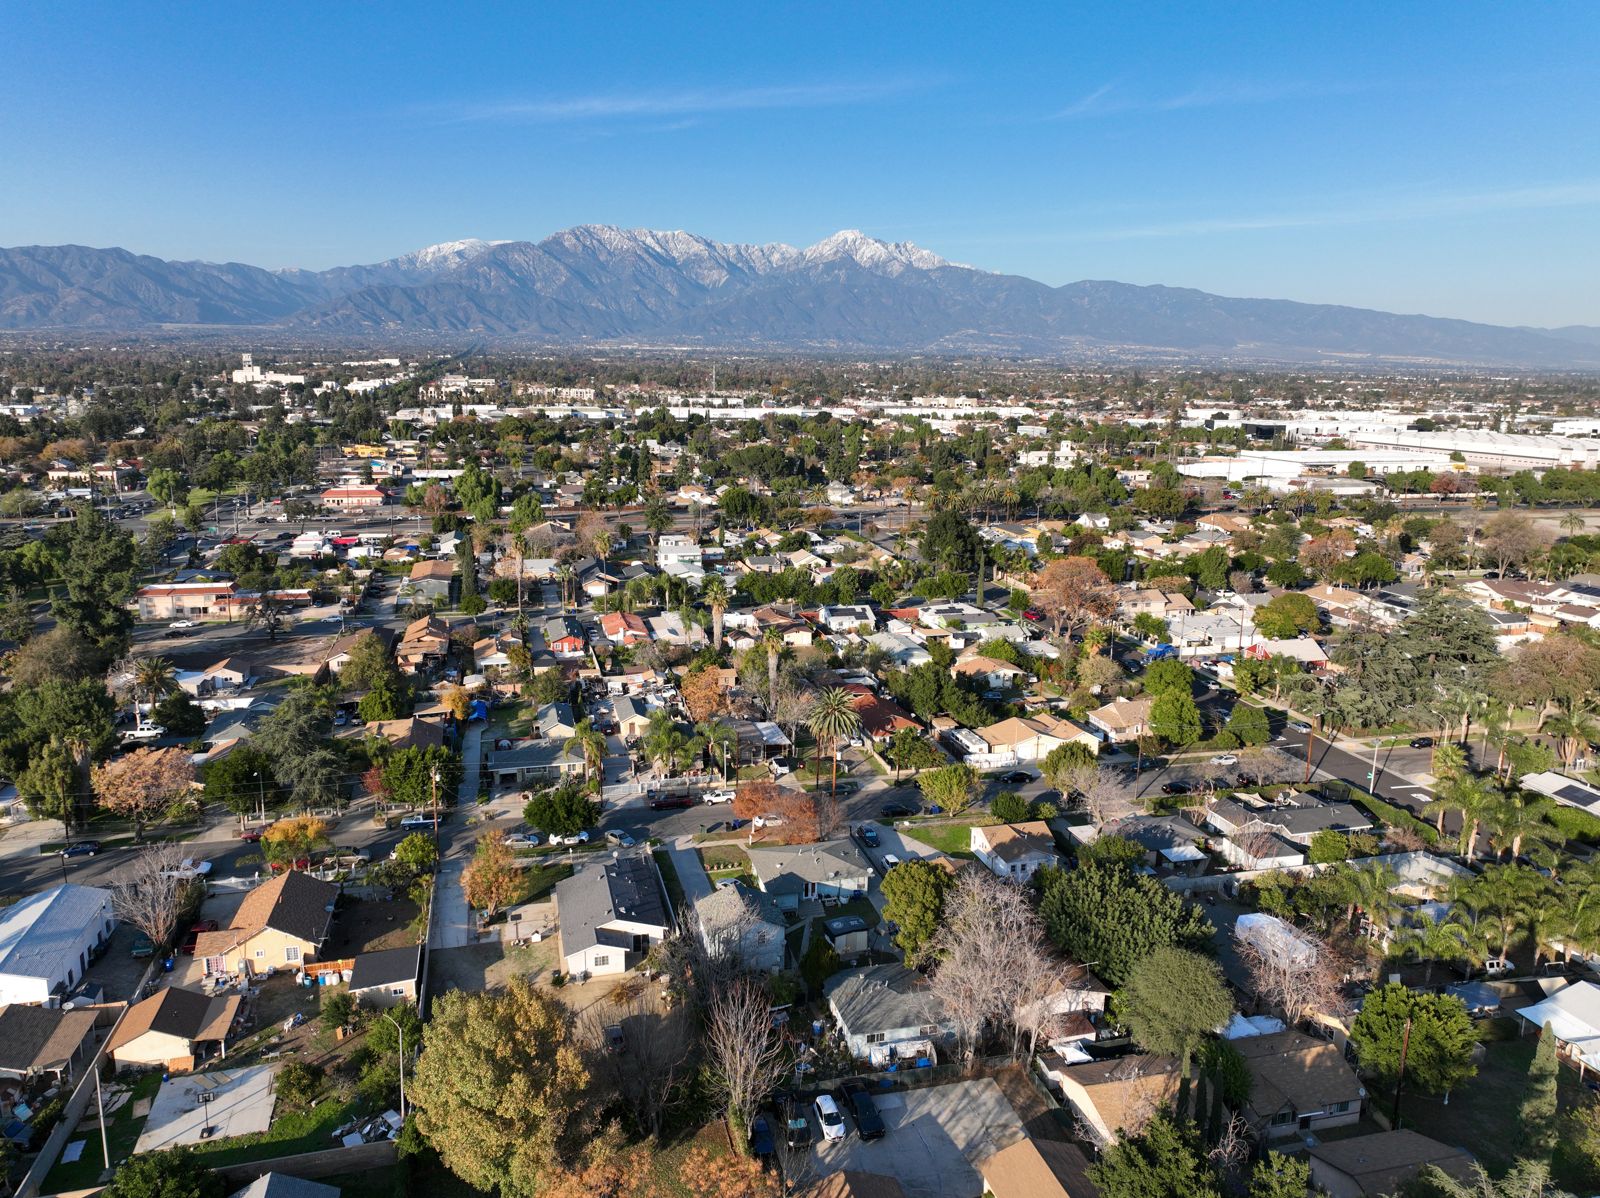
(599, 286)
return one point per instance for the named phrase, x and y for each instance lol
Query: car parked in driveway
(828, 1116)
(761, 1141)
(620, 838)
(867, 835)
(717, 796)
(84, 848)
(522, 840)
(796, 1127)
(1299, 726)
(869, 1124)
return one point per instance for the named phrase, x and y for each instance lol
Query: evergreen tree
(1538, 1115)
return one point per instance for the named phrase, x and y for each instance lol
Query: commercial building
(48, 939)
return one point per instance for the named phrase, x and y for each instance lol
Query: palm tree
(588, 740)
(1095, 639)
(602, 543)
(715, 596)
(1572, 523)
(833, 719)
(519, 549)
(772, 641)
(156, 677)
(1476, 800)
(1574, 732)
(1519, 818)
(1371, 891)
(566, 576)
(1432, 940)
(721, 737)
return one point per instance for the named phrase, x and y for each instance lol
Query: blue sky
(1413, 157)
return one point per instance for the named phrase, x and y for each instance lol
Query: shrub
(298, 1083)
(1009, 807)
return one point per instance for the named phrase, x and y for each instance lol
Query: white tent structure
(1573, 1014)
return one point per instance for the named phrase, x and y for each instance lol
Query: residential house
(1299, 1085)
(534, 764)
(1015, 852)
(610, 914)
(230, 674)
(1569, 792)
(1379, 1164)
(736, 920)
(280, 925)
(624, 628)
(633, 716)
(1163, 605)
(1123, 720)
(338, 653)
(1033, 738)
(563, 636)
(792, 873)
(430, 581)
(902, 651)
(40, 1041)
(187, 601)
(855, 617)
(388, 977)
(174, 1030)
(675, 551)
(884, 1008)
(425, 643)
(1296, 817)
(408, 732)
(990, 673)
(48, 939)
(555, 720)
(1032, 1168)
(880, 718)
(852, 1183)
(283, 1185)
(492, 654)
(670, 628)
(1573, 1013)
(1111, 1095)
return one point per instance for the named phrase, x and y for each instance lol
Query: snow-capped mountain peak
(893, 256)
(446, 253)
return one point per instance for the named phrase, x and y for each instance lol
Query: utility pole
(1400, 1080)
(105, 1145)
(434, 776)
(401, 1032)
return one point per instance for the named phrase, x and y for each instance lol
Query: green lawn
(122, 1133)
(539, 880)
(291, 1133)
(669, 875)
(1482, 1114)
(952, 839)
(718, 857)
(859, 906)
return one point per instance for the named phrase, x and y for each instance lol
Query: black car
(1175, 788)
(868, 835)
(796, 1127)
(84, 848)
(869, 1124)
(1016, 777)
(897, 810)
(1244, 779)
(761, 1141)
(1422, 742)
(668, 802)
(845, 788)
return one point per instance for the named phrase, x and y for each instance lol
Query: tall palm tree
(715, 596)
(772, 641)
(1477, 801)
(156, 678)
(721, 737)
(566, 576)
(1371, 891)
(1519, 818)
(1574, 731)
(833, 719)
(1432, 940)
(602, 544)
(591, 742)
(519, 550)
(1095, 639)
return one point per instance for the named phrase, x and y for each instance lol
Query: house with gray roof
(884, 1005)
(736, 920)
(831, 869)
(541, 762)
(48, 939)
(555, 719)
(609, 914)
(1295, 817)
(387, 977)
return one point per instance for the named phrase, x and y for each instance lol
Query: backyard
(122, 1133)
(954, 838)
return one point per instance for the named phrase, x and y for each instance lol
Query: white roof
(1271, 935)
(1241, 1027)
(1573, 1014)
(36, 933)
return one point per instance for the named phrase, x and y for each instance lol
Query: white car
(829, 1117)
(188, 868)
(148, 732)
(181, 624)
(568, 841)
(766, 821)
(1299, 726)
(717, 796)
(522, 840)
(1224, 759)
(889, 862)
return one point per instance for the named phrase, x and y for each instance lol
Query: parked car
(717, 796)
(868, 835)
(1175, 788)
(84, 848)
(869, 1124)
(148, 732)
(188, 869)
(896, 810)
(846, 788)
(1299, 726)
(761, 1141)
(416, 823)
(615, 1040)
(143, 947)
(796, 1127)
(827, 1115)
(181, 624)
(251, 835)
(1244, 779)
(1225, 759)
(522, 840)
(667, 802)
(1422, 742)
(575, 838)
(619, 838)
(889, 862)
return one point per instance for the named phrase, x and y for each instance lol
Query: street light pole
(401, 1032)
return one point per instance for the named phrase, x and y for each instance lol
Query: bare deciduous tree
(746, 1055)
(657, 1053)
(1298, 976)
(1099, 793)
(151, 895)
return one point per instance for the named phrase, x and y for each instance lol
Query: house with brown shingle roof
(1299, 1084)
(852, 1183)
(1122, 719)
(1038, 1169)
(280, 925)
(40, 1040)
(174, 1029)
(1112, 1096)
(1015, 852)
(1381, 1163)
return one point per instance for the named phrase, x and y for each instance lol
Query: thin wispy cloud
(683, 103)
(1111, 99)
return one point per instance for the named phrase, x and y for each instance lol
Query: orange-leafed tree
(1074, 592)
(143, 786)
(490, 880)
(703, 694)
(290, 840)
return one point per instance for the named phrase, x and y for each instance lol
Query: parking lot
(935, 1137)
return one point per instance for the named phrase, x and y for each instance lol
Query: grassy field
(1481, 1115)
(669, 875)
(122, 1133)
(952, 839)
(290, 1133)
(539, 880)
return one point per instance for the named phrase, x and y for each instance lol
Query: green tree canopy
(561, 810)
(1112, 916)
(168, 1173)
(1176, 719)
(1249, 723)
(914, 894)
(1173, 999)
(1165, 1160)
(1287, 615)
(1439, 1054)
(1169, 676)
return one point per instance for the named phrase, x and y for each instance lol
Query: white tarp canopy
(1274, 937)
(1573, 1013)
(1241, 1027)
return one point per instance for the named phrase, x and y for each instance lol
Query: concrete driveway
(935, 1138)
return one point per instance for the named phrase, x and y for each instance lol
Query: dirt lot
(368, 925)
(487, 966)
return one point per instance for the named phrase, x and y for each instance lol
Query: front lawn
(952, 839)
(289, 1135)
(539, 880)
(669, 875)
(723, 857)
